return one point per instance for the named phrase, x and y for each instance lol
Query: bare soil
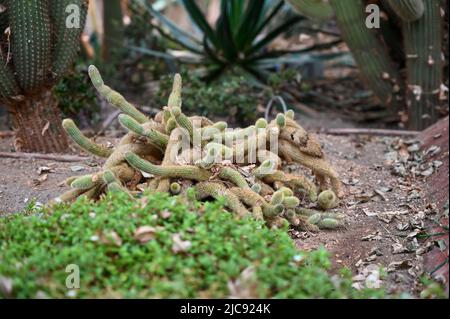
(385, 213)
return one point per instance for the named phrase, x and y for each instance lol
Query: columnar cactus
(38, 43)
(160, 157)
(412, 28)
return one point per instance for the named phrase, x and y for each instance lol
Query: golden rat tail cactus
(239, 166)
(41, 45)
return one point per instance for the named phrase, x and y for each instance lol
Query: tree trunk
(37, 124)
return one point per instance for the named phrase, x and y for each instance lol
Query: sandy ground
(385, 213)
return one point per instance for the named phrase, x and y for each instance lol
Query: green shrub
(232, 97)
(75, 94)
(36, 248)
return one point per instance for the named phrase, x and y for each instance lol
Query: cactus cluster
(151, 156)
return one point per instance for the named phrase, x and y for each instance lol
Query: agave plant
(239, 38)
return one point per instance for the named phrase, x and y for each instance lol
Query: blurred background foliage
(236, 57)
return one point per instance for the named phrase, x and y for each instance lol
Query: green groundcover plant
(159, 247)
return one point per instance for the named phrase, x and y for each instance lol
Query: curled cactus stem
(155, 137)
(329, 223)
(291, 202)
(113, 97)
(175, 95)
(86, 182)
(85, 143)
(277, 198)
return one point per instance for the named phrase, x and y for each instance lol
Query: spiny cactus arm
(175, 95)
(375, 65)
(171, 124)
(172, 171)
(313, 9)
(115, 187)
(329, 223)
(277, 222)
(220, 150)
(291, 202)
(109, 177)
(423, 47)
(85, 143)
(170, 154)
(292, 217)
(113, 97)
(87, 181)
(408, 10)
(66, 39)
(265, 188)
(318, 165)
(163, 185)
(314, 219)
(265, 168)
(30, 41)
(183, 121)
(218, 190)
(286, 191)
(252, 199)
(94, 192)
(257, 213)
(264, 155)
(8, 84)
(306, 225)
(321, 219)
(67, 197)
(301, 182)
(208, 132)
(207, 161)
(277, 198)
(234, 176)
(327, 200)
(155, 137)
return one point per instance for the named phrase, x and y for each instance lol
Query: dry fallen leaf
(6, 286)
(111, 238)
(145, 233)
(45, 169)
(245, 286)
(180, 245)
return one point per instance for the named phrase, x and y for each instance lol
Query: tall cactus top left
(44, 40)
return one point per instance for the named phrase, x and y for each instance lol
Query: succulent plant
(152, 157)
(37, 46)
(410, 37)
